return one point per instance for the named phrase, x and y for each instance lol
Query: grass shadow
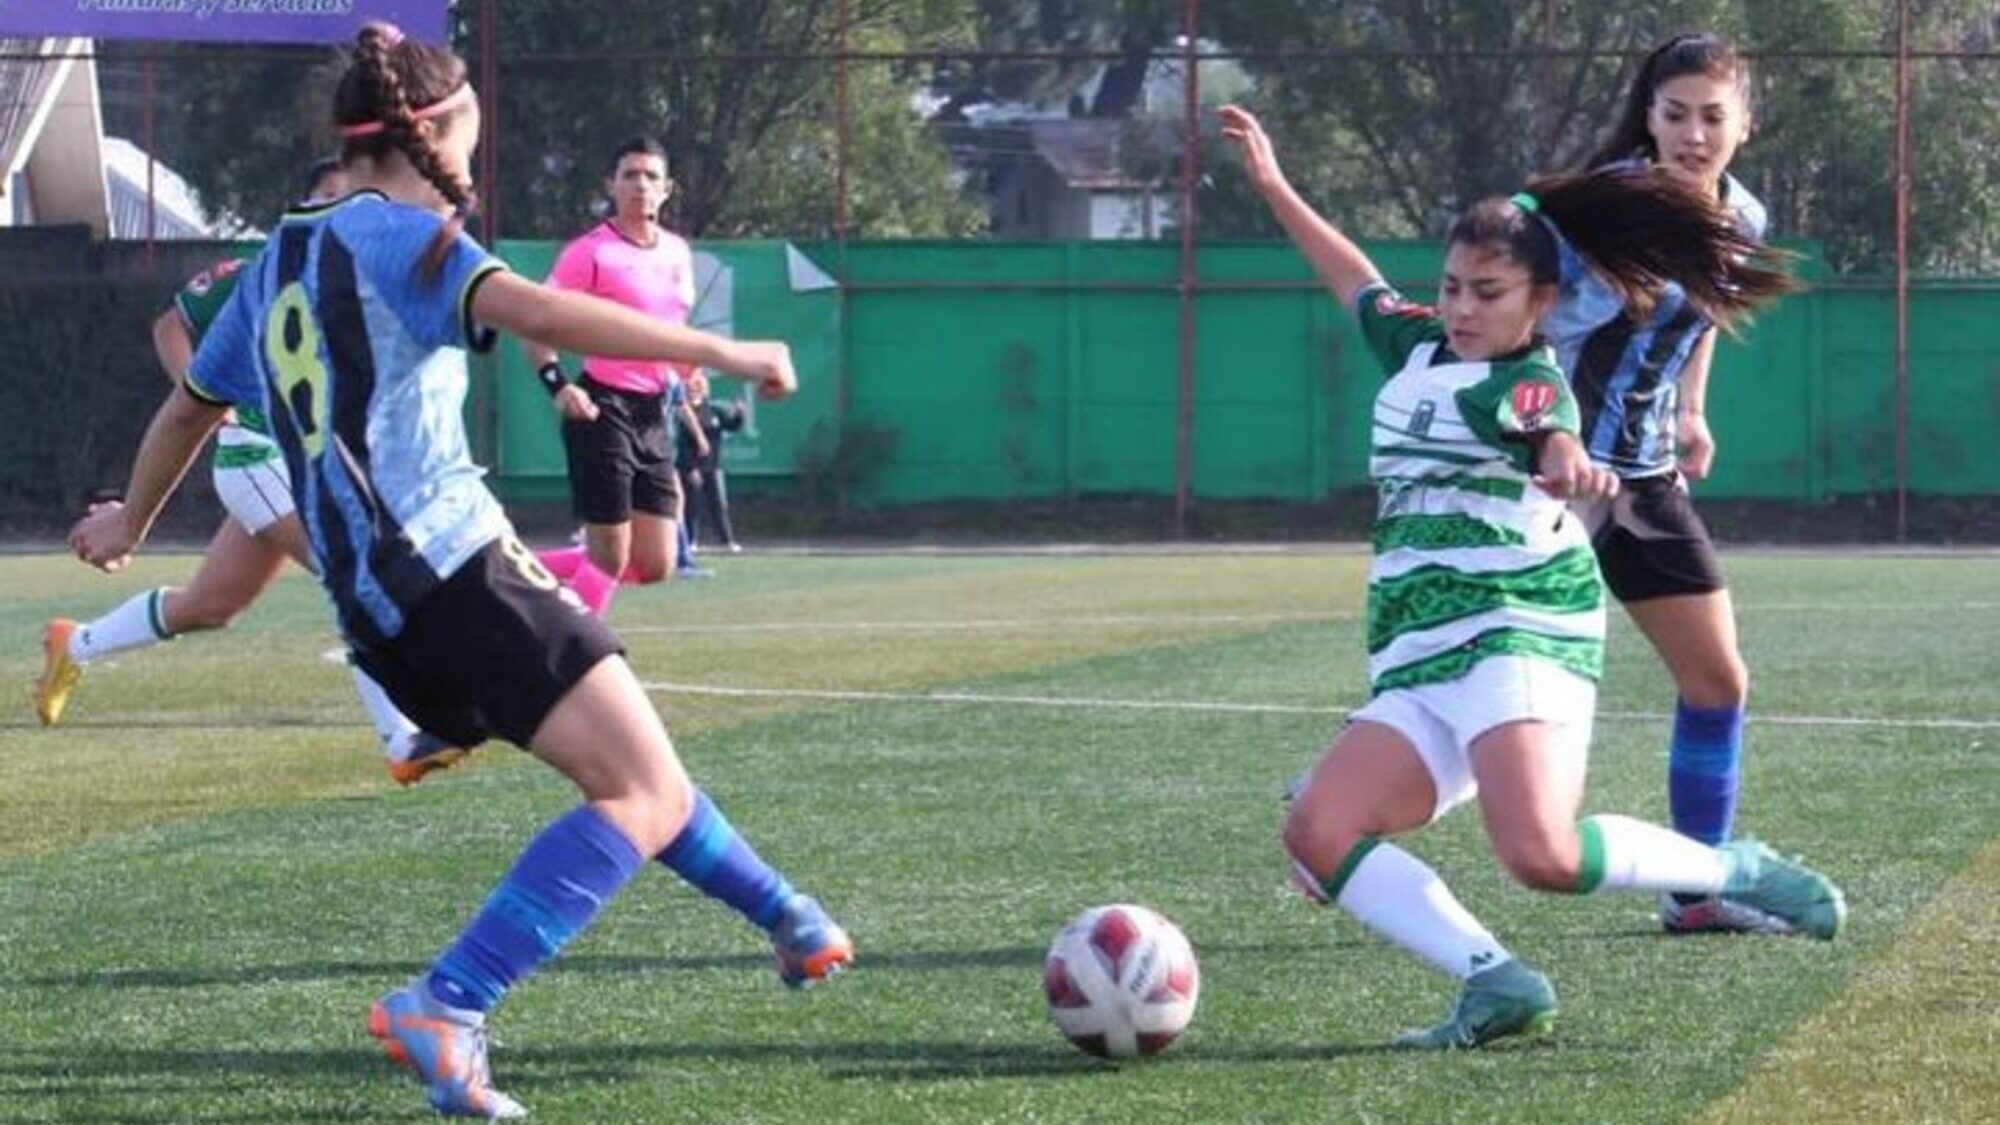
(872, 961)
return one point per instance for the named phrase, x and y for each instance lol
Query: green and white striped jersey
(247, 440)
(1471, 559)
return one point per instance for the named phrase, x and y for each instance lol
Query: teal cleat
(810, 945)
(1714, 914)
(1783, 888)
(1507, 999)
(447, 1049)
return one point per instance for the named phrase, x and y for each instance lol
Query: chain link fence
(842, 122)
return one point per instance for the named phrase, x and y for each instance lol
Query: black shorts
(1650, 542)
(624, 460)
(490, 652)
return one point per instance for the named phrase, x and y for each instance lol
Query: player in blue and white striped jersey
(1640, 374)
(350, 331)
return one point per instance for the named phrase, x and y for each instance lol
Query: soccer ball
(1121, 981)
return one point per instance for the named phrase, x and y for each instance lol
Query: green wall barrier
(746, 290)
(1040, 371)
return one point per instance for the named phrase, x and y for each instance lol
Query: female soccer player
(248, 550)
(620, 447)
(1486, 611)
(350, 332)
(1641, 382)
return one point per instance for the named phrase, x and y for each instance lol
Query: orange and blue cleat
(447, 1049)
(810, 945)
(428, 754)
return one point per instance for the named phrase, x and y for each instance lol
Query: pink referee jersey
(657, 280)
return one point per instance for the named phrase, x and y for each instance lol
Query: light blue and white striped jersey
(358, 361)
(1627, 372)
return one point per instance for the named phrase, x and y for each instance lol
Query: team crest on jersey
(1422, 417)
(1390, 303)
(1533, 402)
(207, 279)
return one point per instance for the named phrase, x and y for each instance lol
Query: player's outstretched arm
(107, 536)
(1339, 263)
(174, 345)
(578, 322)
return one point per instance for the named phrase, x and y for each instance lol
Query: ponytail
(1639, 228)
(1642, 228)
(390, 85)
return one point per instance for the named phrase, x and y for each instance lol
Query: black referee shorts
(623, 461)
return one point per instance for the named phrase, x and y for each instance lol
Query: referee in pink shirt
(615, 430)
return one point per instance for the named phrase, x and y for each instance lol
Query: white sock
(393, 727)
(1624, 854)
(1394, 894)
(138, 623)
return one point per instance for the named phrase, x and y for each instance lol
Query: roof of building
(27, 85)
(1084, 152)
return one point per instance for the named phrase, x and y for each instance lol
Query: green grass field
(205, 874)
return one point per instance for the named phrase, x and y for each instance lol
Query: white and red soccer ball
(1121, 981)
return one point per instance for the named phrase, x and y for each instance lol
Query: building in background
(51, 132)
(61, 169)
(1062, 177)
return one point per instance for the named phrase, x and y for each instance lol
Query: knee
(1317, 842)
(1718, 684)
(651, 815)
(1542, 859)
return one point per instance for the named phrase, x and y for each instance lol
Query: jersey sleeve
(1393, 326)
(1748, 211)
(575, 268)
(1538, 401)
(435, 307)
(202, 298)
(1524, 398)
(224, 371)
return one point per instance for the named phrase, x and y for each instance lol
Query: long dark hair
(1700, 52)
(1640, 228)
(389, 79)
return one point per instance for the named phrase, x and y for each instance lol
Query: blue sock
(1703, 773)
(721, 864)
(563, 878)
(683, 546)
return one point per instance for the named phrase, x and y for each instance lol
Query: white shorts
(1442, 720)
(256, 496)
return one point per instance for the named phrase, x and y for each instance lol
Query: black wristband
(552, 377)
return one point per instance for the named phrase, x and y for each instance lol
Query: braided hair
(1640, 228)
(388, 81)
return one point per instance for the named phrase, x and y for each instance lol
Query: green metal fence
(993, 371)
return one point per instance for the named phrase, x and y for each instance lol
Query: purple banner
(221, 21)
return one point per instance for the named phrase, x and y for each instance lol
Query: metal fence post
(1190, 264)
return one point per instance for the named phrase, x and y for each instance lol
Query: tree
(1434, 103)
(1132, 28)
(1430, 104)
(748, 116)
